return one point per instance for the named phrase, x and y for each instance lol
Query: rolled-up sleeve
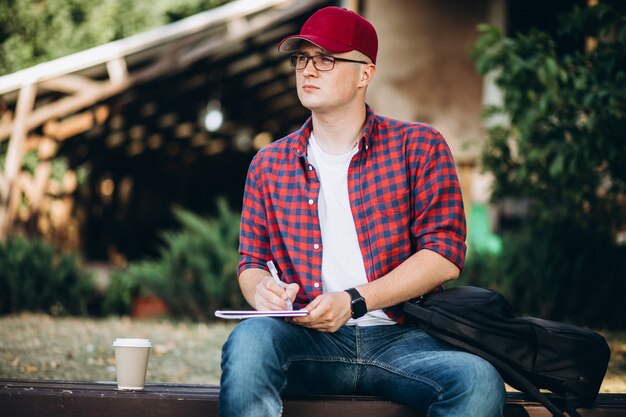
(439, 222)
(253, 235)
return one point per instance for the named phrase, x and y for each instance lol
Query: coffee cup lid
(132, 343)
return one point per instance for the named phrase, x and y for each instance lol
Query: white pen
(274, 273)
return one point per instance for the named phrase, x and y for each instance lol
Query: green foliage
(201, 264)
(562, 149)
(34, 31)
(139, 279)
(556, 273)
(196, 272)
(33, 277)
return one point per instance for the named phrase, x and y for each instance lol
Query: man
(359, 213)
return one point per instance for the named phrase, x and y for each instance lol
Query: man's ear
(367, 73)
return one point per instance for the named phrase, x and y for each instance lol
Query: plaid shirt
(404, 194)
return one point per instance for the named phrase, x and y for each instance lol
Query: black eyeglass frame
(295, 57)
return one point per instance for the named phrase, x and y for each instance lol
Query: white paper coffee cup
(131, 362)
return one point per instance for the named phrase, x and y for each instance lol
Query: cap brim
(292, 43)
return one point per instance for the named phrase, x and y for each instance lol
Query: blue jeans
(266, 358)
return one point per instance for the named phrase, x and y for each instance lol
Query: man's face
(322, 91)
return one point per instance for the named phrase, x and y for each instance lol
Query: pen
(274, 273)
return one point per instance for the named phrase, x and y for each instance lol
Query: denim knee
(252, 377)
(248, 343)
(482, 388)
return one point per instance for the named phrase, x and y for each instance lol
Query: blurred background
(126, 130)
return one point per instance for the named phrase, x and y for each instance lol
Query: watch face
(357, 303)
(358, 308)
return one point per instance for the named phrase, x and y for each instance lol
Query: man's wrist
(358, 307)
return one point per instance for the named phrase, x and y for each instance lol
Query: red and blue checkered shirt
(404, 194)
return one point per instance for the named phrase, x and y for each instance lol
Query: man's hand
(327, 313)
(263, 293)
(268, 295)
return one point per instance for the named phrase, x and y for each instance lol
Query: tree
(34, 31)
(565, 145)
(563, 149)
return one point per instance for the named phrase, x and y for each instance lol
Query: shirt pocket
(392, 213)
(392, 204)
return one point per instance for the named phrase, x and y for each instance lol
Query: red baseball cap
(337, 30)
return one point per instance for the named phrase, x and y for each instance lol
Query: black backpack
(530, 353)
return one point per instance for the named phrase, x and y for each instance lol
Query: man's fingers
(292, 291)
(270, 296)
(327, 313)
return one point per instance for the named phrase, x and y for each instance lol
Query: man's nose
(311, 68)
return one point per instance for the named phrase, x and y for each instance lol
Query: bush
(33, 277)
(196, 272)
(139, 279)
(560, 148)
(559, 273)
(201, 264)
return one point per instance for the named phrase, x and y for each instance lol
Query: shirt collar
(302, 135)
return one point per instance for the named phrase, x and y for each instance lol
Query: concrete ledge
(26, 398)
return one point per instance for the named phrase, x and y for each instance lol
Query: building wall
(424, 72)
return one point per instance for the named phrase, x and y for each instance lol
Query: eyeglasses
(320, 62)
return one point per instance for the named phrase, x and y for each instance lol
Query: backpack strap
(519, 380)
(568, 405)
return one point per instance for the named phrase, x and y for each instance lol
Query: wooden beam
(142, 41)
(100, 91)
(173, 59)
(13, 162)
(118, 71)
(25, 103)
(257, 24)
(237, 26)
(76, 124)
(68, 105)
(69, 84)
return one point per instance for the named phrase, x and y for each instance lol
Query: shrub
(559, 273)
(560, 147)
(196, 271)
(34, 277)
(139, 279)
(201, 264)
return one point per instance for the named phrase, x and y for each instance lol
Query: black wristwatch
(357, 303)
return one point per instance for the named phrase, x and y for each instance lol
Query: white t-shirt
(342, 261)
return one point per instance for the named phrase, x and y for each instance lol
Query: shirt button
(311, 201)
(316, 246)
(310, 167)
(316, 285)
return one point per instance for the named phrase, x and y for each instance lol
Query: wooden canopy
(148, 90)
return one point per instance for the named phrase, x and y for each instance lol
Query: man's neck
(338, 132)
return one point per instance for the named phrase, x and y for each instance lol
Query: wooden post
(13, 164)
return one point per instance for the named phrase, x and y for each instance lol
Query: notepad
(246, 314)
